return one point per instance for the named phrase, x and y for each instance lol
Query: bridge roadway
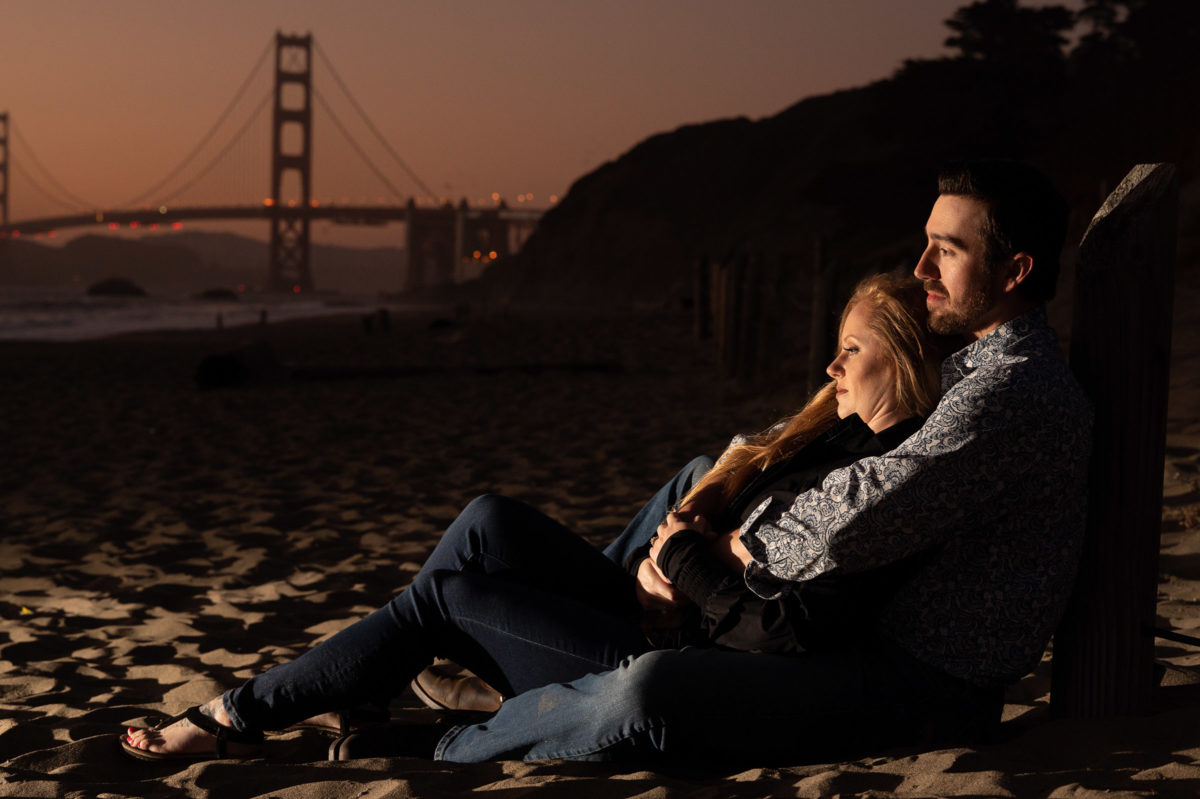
(339, 214)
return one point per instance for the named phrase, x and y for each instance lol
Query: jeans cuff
(235, 720)
(440, 750)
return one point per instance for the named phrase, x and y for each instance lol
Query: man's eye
(943, 251)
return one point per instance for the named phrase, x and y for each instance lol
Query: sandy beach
(161, 543)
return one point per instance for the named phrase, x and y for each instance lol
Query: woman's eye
(850, 350)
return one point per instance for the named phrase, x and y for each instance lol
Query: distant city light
(495, 196)
(296, 288)
(269, 202)
(135, 224)
(162, 209)
(114, 226)
(176, 226)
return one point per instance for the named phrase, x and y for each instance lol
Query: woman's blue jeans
(508, 592)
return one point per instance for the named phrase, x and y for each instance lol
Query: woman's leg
(506, 584)
(507, 590)
(642, 526)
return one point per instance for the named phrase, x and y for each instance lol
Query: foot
(444, 686)
(184, 738)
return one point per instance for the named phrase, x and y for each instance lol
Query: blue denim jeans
(508, 592)
(712, 706)
(642, 526)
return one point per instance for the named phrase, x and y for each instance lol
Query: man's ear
(1017, 269)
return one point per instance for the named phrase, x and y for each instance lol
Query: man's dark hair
(1025, 213)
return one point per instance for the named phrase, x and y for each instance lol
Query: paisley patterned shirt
(992, 488)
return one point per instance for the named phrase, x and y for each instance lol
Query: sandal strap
(222, 733)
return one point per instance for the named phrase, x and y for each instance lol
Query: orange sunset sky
(478, 97)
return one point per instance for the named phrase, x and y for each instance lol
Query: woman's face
(866, 377)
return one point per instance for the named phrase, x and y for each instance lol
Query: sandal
(223, 734)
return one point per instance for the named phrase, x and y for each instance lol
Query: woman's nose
(834, 369)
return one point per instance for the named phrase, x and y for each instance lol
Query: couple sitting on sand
(872, 572)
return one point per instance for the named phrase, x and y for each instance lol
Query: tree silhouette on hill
(1004, 32)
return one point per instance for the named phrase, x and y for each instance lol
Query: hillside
(857, 167)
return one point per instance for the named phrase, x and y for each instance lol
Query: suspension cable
(346, 91)
(236, 137)
(19, 170)
(79, 203)
(357, 148)
(212, 131)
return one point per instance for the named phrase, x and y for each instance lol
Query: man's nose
(926, 268)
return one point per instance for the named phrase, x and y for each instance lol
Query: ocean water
(40, 314)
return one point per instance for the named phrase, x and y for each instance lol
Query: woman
(523, 602)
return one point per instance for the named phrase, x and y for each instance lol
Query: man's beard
(959, 317)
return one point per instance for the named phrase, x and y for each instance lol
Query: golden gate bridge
(440, 238)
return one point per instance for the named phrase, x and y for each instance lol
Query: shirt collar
(992, 346)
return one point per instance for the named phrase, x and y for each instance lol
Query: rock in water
(116, 287)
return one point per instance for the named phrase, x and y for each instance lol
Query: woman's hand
(676, 521)
(661, 604)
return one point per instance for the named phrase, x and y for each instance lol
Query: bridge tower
(4, 168)
(291, 160)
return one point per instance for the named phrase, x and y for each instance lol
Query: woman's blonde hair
(898, 319)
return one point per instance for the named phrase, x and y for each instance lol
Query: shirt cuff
(687, 561)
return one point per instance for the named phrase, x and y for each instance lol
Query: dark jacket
(813, 615)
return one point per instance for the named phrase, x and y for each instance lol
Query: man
(990, 492)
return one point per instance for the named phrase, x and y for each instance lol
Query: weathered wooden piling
(1120, 351)
(822, 317)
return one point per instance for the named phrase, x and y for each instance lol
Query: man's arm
(881, 509)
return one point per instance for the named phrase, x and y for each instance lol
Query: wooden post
(702, 291)
(820, 331)
(750, 319)
(1120, 351)
(766, 326)
(726, 303)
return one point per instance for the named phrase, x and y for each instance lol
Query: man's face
(961, 287)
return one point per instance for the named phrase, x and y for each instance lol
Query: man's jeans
(712, 706)
(508, 592)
